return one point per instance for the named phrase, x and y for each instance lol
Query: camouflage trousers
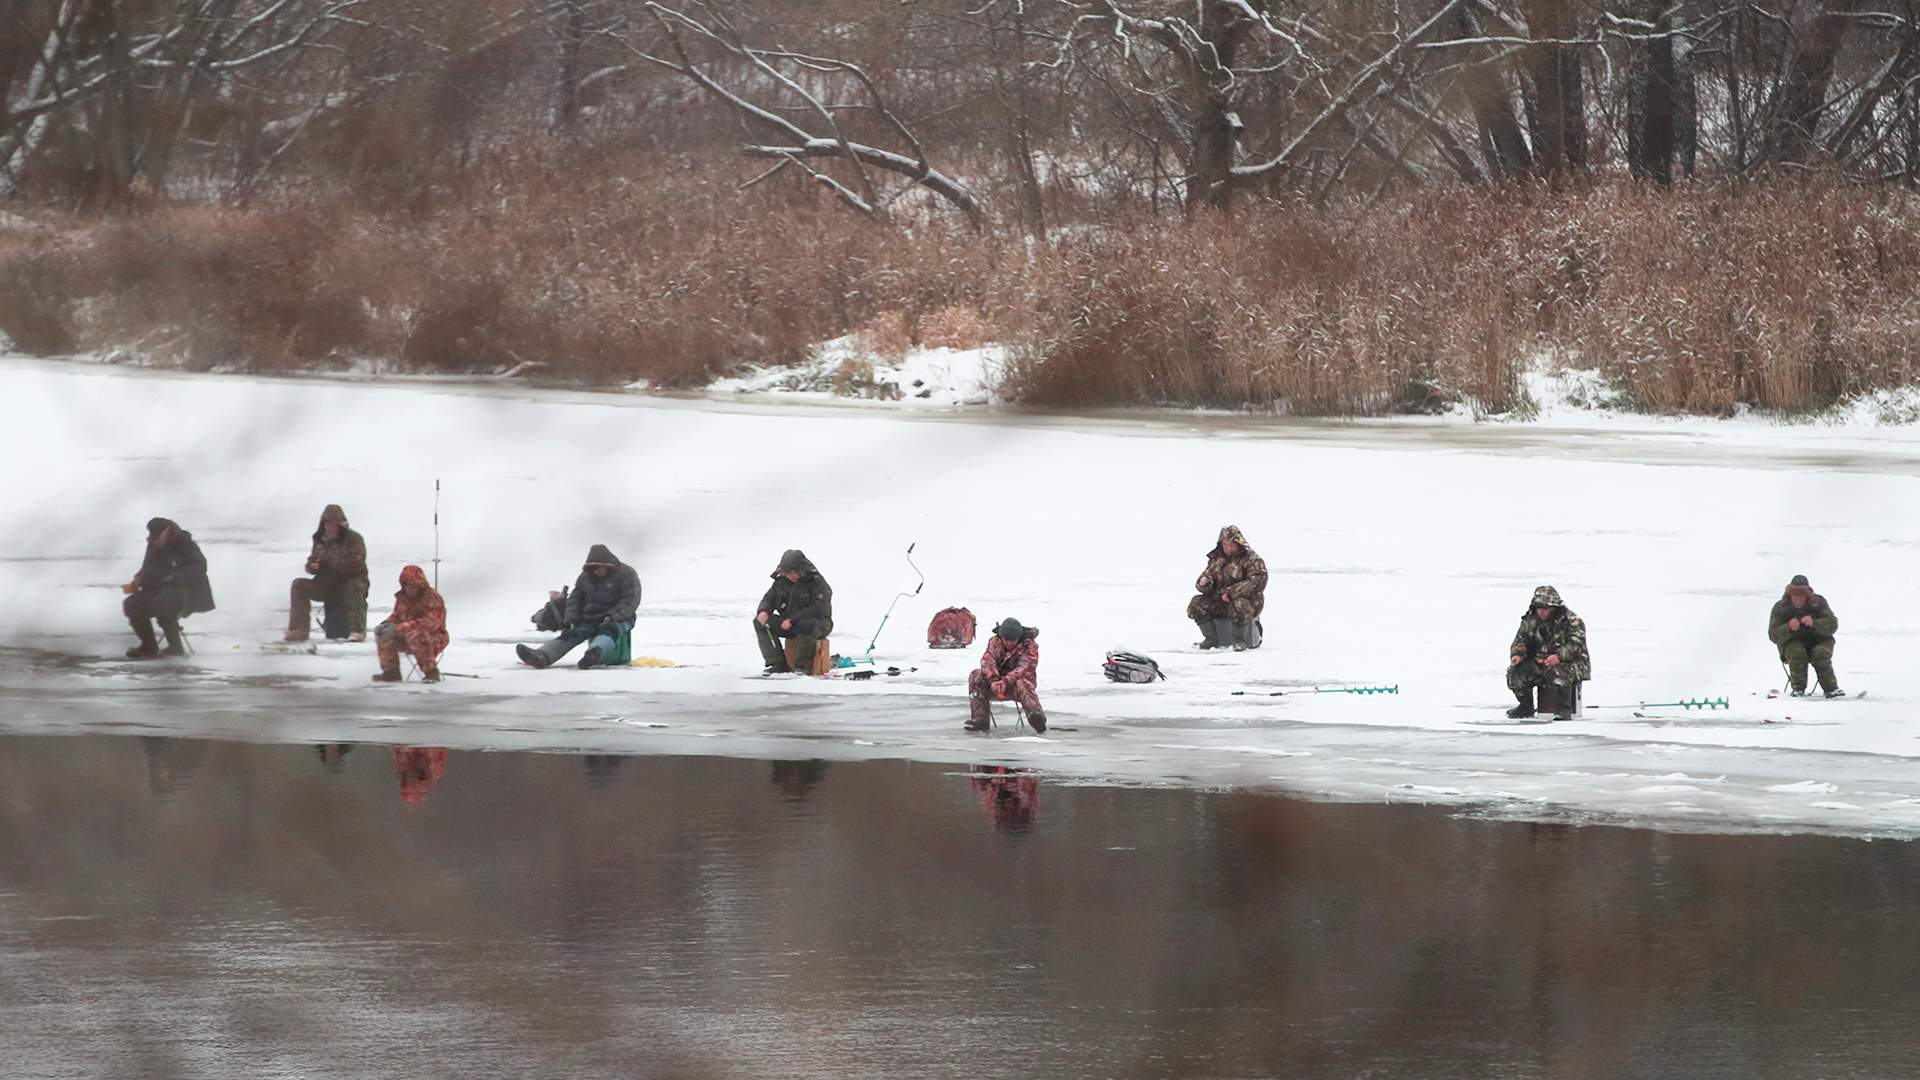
(389, 642)
(1798, 654)
(1525, 675)
(980, 692)
(352, 595)
(1240, 609)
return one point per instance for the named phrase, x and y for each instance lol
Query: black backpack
(553, 617)
(1131, 667)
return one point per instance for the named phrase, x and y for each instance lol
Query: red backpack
(952, 628)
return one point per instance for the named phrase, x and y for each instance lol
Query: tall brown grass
(1696, 300)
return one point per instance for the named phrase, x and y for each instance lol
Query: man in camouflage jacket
(418, 626)
(1233, 587)
(1549, 652)
(1802, 625)
(338, 563)
(799, 605)
(1009, 669)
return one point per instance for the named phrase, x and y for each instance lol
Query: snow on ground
(1402, 554)
(841, 368)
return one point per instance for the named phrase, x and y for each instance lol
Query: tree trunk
(1559, 98)
(1651, 142)
(1216, 128)
(573, 39)
(1501, 141)
(1794, 114)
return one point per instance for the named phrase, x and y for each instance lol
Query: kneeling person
(418, 626)
(1802, 625)
(602, 607)
(1548, 653)
(799, 605)
(1010, 669)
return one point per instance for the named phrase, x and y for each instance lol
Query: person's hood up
(155, 525)
(1233, 533)
(599, 555)
(413, 575)
(332, 513)
(794, 559)
(1546, 596)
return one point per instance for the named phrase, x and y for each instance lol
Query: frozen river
(1401, 555)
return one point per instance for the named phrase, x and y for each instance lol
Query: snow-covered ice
(1402, 553)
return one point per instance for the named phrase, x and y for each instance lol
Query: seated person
(602, 606)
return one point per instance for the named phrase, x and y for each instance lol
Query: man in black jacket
(799, 605)
(602, 607)
(172, 583)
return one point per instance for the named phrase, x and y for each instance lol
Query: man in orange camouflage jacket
(418, 625)
(1010, 669)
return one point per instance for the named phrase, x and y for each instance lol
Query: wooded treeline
(1024, 114)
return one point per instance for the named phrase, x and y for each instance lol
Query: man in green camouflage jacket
(1548, 652)
(1802, 625)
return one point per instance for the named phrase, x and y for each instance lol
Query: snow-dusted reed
(1402, 554)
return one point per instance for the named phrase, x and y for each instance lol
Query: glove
(999, 688)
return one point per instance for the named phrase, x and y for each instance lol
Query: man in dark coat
(799, 605)
(603, 605)
(172, 584)
(338, 563)
(1549, 652)
(1010, 668)
(1802, 625)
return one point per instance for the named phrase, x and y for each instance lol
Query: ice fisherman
(799, 605)
(600, 610)
(1009, 669)
(1549, 653)
(418, 626)
(338, 565)
(172, 584)
(1802, 625)
(1232, 593)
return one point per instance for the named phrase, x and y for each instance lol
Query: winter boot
(1037, 720)
(1207, 638)
(431, 674)
(1834, 692)
(357, 636)
(146, 650)
(296, 635)
(591, 658)
(176, 646)
(1524, 710)
(1246, 635)
(387, 676)
(533, 658)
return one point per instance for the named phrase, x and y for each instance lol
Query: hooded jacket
(1560, 634)
(598, 600)
(1014, 661)
(178, 563)
(809, 598)
(421, 619)
(1242, 575)
(343, 558)
(1825, 623)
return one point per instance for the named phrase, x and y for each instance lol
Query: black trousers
(163, 603)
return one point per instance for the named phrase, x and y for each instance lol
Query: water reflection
(1011, 797)
(602, 768)
(333, 756)
(687, 921)
(796, 779)
(171, 763)
(420, 768)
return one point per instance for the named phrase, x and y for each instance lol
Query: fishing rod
(1362, 690)
(436, 534)
(867, 657)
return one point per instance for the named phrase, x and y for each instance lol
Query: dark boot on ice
(590, 658)
(431, 674)
(1037, 720)
(1557, 700)
(1834, 692)
(533, 658)
(1208, 640)
(144, 651)
(176, 646)
(387, 676)
(1524, 710)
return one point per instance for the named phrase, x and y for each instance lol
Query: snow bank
(1402, 553)
(842, 368)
